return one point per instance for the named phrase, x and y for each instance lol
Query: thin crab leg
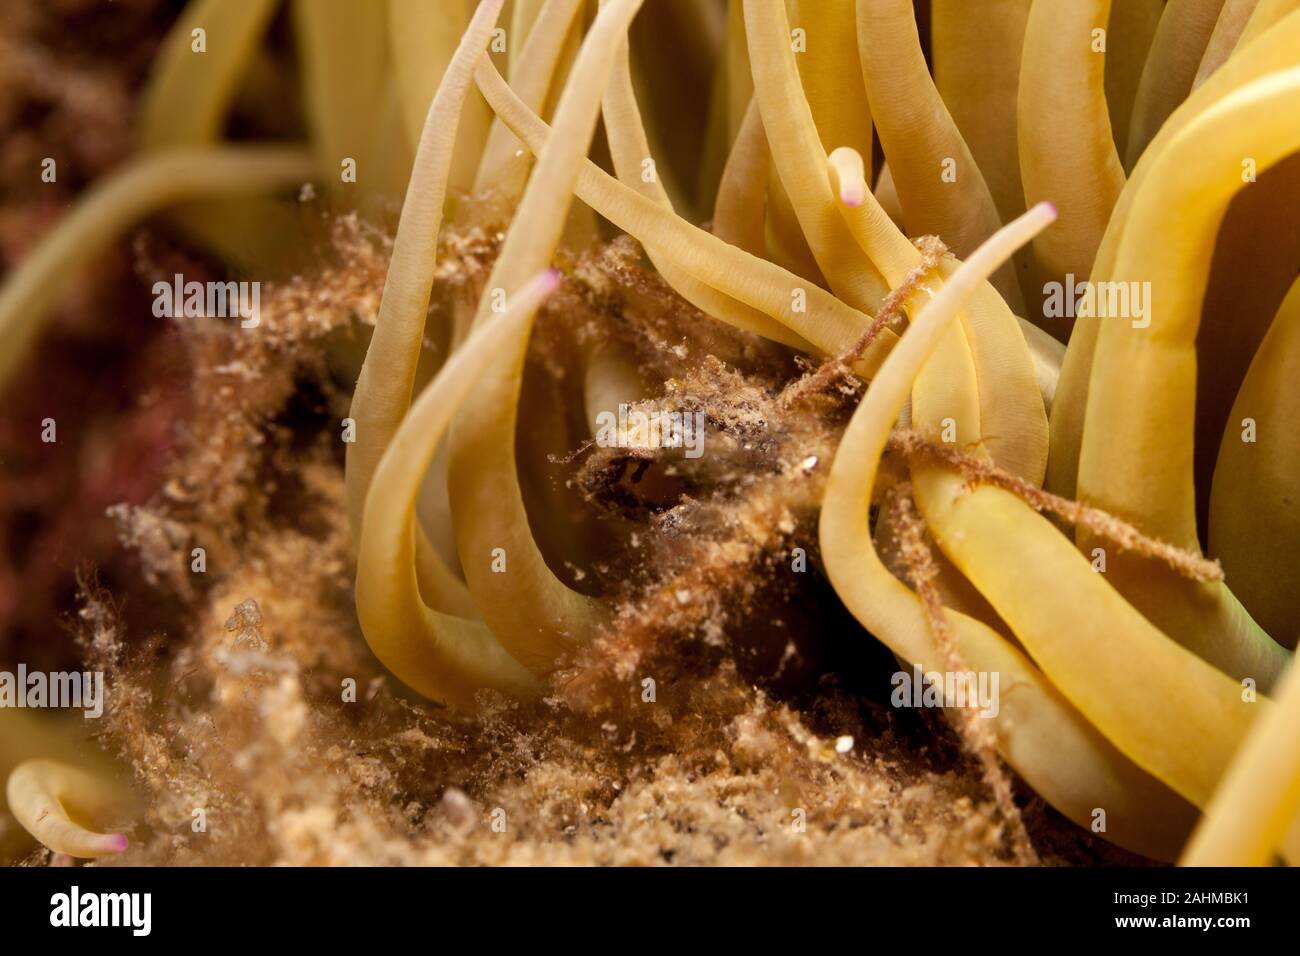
(999, 543)
(1039, 733)
(1108, 661)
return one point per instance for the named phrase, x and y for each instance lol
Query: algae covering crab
(990, 352)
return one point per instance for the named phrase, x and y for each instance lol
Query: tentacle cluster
(1122, 145)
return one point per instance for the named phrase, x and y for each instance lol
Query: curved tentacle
(1129, 32)
(1176, 52)
(140, 189)
(186, 104)
(440, 654)
(941, 188)
(741, 206)
(504, 166)
(827, 323)
(344, 52)
(1067, 152)
(1141, 467)
(1254, 521)
(1036, 721)
(1267, 13)
(59, 805)
(383, 391)
(799, 159)
(188, 96)
(422, 39)
(631, 151)
(1254, 811)
(1014, 417)
(831, 76)
(534, 614)
(1228, 29)
(1273, 50)
(1035, 580)
(976, 50)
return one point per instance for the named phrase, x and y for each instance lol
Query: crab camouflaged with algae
(980, 496)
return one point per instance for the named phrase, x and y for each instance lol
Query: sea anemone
(1108, 525)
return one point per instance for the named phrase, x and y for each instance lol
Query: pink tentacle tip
(853, 198)
(116, 843)
(551, 280)
(1049, 208)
